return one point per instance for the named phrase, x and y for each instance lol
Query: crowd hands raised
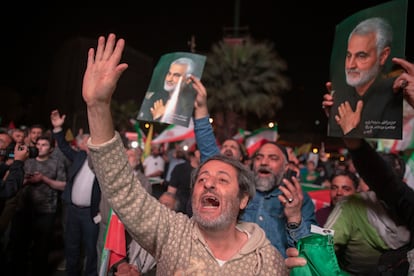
(223, 214)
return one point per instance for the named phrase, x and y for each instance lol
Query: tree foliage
(246, 78)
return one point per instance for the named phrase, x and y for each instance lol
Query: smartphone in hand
(289, 173)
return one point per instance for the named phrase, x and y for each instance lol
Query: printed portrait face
(362, 63)
(173, 76)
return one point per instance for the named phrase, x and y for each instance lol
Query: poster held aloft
(170, 95)
(362, 73)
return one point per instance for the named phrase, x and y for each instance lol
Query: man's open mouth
(210, 201)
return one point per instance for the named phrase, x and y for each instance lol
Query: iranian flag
(407, 142)
(241, 135)
(115, 244)
(259, 137)
(138, 135)
(175, 133)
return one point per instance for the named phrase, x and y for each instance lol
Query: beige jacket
(172, 238)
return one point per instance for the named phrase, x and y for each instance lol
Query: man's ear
(384, 55)
(244, 201)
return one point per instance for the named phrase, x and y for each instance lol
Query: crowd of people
(219, 211)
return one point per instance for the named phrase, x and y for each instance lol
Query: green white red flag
(174, 133)
(407, 141)
(241, 135)
(115, 244)
(260, 136)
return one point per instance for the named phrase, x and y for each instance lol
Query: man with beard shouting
(280, 206)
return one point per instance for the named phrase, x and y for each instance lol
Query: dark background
(44, 49)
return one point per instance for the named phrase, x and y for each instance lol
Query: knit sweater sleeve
(149, 222)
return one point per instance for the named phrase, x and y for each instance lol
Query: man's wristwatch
(292, 225)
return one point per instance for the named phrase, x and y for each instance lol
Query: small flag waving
(304, 149)
(407, 141)
(69, 135)
(138, 136)
(241, 135)
(258, 137)
(175, 133)
(115, 244)
(408, 138)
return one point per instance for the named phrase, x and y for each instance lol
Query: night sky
(302, 32)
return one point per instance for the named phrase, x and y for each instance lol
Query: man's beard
(364, 76)
(168, 87)
(268, 183)
(228, 153)
(222, 222)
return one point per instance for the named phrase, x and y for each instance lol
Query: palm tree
(243, 81)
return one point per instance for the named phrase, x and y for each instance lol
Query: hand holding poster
(364, 103)
(170, 96)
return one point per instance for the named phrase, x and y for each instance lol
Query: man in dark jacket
(81, 196)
